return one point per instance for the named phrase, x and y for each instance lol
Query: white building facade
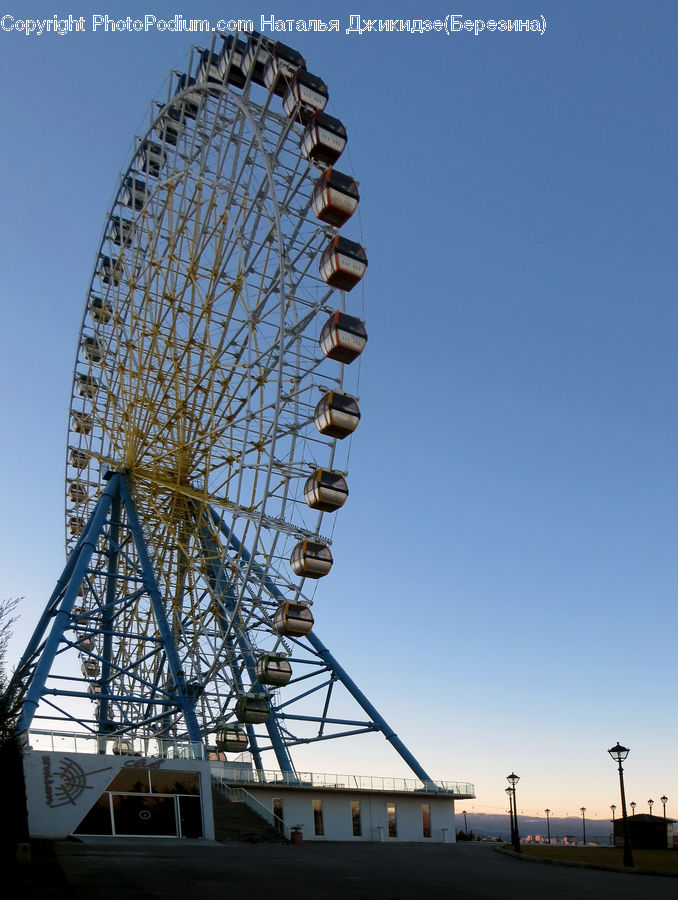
(166, 791)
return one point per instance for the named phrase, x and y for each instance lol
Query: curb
(577, 864)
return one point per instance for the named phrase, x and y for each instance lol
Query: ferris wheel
(214, 396)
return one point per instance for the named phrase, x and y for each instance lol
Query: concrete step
(236, 821)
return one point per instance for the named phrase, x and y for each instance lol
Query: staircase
(234, 820)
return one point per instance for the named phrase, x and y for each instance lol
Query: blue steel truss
(115, 654)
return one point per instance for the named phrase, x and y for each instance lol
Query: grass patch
(657, 860)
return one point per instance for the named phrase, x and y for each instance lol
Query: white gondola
(281, 65)
(232, 740)
(293, 619)
(343, 263)
(168, 130)
(86, 385)
(252, 709)
(89, 668)
(151, 158)
(77, 492)
(134, 193)
(273, 669)
(82, 422)
(110, 270)
(324, 139)
(85, 644)
(305, 95)
(325, 490)
(335, 197)
(310, 559)
(229, 67)
(255, 57)
(208, 69)
(92, 348)
(121, 747)
(343, 337)
(94, 688)
(100, 310)
(189, 104)
(337, 415)
(78, 458)
(121, 230)
(76, 525)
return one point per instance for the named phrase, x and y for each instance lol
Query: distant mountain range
(598, 831)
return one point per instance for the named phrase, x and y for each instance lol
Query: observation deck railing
(235, 772)
(340, 782)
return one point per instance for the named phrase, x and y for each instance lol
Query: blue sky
(505, 579)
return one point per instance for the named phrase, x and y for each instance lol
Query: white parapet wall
(63, 787)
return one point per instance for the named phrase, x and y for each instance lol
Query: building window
(355, 816)
(426, 819)
(391, 819)
(318, 817)
(279, 819)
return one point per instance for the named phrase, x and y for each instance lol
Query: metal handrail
(84, 742)
(340, 782)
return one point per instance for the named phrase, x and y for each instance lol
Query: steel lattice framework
(192, 435)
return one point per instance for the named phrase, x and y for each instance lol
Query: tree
(14, 821)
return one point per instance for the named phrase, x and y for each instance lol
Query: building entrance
(147, 802)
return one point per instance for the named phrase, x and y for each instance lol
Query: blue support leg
(358, 695)
(84, 551)
(190, 718)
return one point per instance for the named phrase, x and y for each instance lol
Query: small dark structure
(646, 832)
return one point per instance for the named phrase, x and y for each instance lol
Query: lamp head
(618, 753)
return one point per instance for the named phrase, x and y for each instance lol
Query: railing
(82, 742)
(243, 796)
(158, 748)
(342, 782)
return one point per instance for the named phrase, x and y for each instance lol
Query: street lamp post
(582, 810)
(509, 794)
(548, 825)
(463, 812)
(650, 803)
(633, 805)
(663, 800)
(513, 780)
(613, 808)
(619, 754)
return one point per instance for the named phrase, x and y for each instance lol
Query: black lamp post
(548, 825)
(633, 804)
(613, 808)
(582, 810)
(650, 803)
(663, 800)
(513, 780)
(619, 754)
(463, 812)
(509, 794)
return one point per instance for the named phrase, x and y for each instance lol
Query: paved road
(202, 870)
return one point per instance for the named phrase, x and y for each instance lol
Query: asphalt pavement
(125, 869)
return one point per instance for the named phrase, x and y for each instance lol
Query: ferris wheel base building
(121, 793)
